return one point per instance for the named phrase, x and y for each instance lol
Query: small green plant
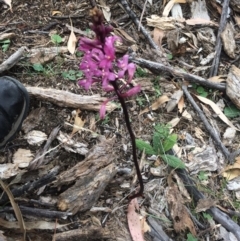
(56, 39)
(201, 91)
(72, 75)
(5, 44)
(162, 142)
(38, 67)
(207, 216)
(202, 176)
(231, 111)
(140, 72)
(190, 237)
(140, 100)
(169, 56)
(157, 86)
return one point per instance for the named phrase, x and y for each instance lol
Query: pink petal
(132, 91)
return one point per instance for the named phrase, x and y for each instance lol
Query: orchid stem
(132, 136)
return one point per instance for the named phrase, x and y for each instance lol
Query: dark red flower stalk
(100, 64)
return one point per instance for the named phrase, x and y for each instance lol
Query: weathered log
(67, 99)
(90, 177)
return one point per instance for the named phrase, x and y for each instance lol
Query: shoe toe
(14, 103)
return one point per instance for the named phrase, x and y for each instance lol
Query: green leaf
(38, 67)
(169, 142)
(190, 237)
(202, 176)
(169, 56)
(173, 161)
(231, 111)
(142, 145)
(207, 216)
(56, 39)
(200, 89)
(204, 94)
(157, 143)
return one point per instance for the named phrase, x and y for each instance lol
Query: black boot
(14, 104)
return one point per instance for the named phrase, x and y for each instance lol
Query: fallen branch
(12, 60)
(139, 25)
(156, 67)
(218, 48)
(32, 186)
(38, 212)
(90, 233)
(229, 156)
(67, 99)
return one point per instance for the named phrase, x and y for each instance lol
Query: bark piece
(228, 40)
(233, 85)
(91, 176)
(66, 99)
(89, 233)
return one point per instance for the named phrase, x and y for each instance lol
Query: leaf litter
(195, 148)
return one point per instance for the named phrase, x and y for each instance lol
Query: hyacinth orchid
(100, 64)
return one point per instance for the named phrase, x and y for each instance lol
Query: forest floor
(71, 173)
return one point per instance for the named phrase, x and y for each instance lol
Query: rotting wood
(89, 233)
(90, 178)
(67, 99)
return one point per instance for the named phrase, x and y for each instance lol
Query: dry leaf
(134, 223)
(56, 12)
(106, 10)
(181, 104)
(179, 213)
(78, 122)
(72, 41)
(205, 204)
(160, 101)
(174, 122)
(197, 21)
(217, 79)
(120, 32)
(175, 98)
(145, 226)
(217, 110)
(232, 171)
(9, 3)
(187, 115)
(158, 35)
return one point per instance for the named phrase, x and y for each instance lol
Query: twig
(217, 214)
(39, 158)
(156, 67)
(38, 212)
(138, 24)
(218, 48)
(31, 186)
(207, 125)
(12, 60)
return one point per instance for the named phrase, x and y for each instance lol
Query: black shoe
(14, 104)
